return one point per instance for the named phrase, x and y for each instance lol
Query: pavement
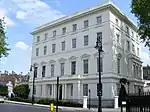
(11, 106)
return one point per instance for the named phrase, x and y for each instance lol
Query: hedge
(46, 101)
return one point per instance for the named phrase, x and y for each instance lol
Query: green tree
(3, 90)
(141, 9)
(21, 91)
(3, 44)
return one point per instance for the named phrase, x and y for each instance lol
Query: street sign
(99, 89)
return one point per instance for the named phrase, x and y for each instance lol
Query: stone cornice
(108, 6)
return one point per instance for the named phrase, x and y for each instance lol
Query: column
(77, 90)
(63, 91)
(44, 91)
(65, 95)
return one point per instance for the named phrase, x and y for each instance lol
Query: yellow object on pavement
(51, 107)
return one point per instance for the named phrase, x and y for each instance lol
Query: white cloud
(36, 11)
(22, 45)
(7, 20)
(21, 15)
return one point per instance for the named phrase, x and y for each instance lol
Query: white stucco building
(65, 48)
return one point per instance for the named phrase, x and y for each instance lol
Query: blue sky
(21, 16)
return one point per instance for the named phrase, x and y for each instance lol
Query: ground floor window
(85, 89)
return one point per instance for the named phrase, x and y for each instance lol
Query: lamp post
(99, 85)
(33, 82)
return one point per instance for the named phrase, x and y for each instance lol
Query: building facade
(65, 48)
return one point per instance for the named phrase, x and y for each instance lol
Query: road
(9, 107)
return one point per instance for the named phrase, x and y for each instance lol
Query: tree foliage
(21, 91)
(3, 44)
(3, 90)
(141, 9)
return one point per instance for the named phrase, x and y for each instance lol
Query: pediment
(35, 64)
(85, 56)
(52, 61)
(73, 58)
(43, 63)
(62, 60)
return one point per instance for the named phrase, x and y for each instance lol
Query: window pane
(53, 48)
(38, 39)
(37, 51)
(86, 24)
(35, 71)
(73, 67)
(62, 69)
(99, 36)
(54, 33)
(43, 71)
(73, 43)
(46, 36)
(85, 89)
(45, 50)
(63, 45)
(128, 45)
(86, 40)
(74, 27)
(118, 65)
(64, 30)
(50, 90)
(85, 65)
(72, 90)
(52, 70)
(99, 19)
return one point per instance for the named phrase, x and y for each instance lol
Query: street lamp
(99, 85)
(33, 66)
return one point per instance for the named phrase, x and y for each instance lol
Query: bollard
(51, 107)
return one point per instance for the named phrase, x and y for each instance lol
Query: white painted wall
(109, 78)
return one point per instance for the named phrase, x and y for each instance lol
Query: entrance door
(60, 92)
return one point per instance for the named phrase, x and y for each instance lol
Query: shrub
(22, 91)
(3, 90)
(46, 101)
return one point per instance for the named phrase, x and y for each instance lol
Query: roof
(102, 5)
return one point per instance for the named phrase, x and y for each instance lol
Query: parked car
(1, 99)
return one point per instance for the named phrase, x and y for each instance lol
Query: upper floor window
(86, 40)
(74, 43)
(74, 27)
(132, 34)
(37, 51)
(46, 36)
(62, 66)
(38, 39)
(35, 71)
(54, 33)
(45, 50)
(118, 65)
(138, 52)
(99, 36)
(133, 48)
(73, 67)
(43, 71)
(63, 45)
(118, 38)
(52, 70)
(128, 45)
(117, 22)
(86, 23)
(53, 48)
(99, 19)
(127, 29)
(85, 66)
(64, 30)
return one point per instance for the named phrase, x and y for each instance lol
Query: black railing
(138, 103)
